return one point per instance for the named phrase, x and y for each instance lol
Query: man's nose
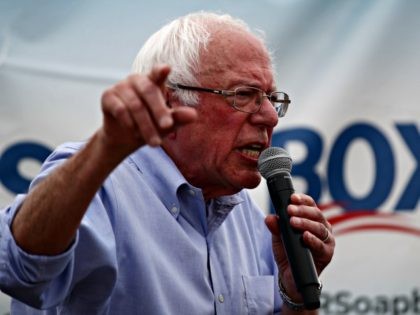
(266, 115)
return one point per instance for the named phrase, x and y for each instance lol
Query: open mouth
(252, 151)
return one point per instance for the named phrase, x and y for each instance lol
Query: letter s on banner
(10, 176)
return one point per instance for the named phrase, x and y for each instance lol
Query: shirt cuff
(16, 265)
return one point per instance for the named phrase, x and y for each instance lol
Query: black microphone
(275, 165)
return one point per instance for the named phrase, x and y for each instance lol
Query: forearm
(135, 113)
(50, 215)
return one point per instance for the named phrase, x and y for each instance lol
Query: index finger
(150, 89)
(159, 74)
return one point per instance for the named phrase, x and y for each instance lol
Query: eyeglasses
(245, 98)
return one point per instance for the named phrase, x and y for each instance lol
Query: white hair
(179, 43)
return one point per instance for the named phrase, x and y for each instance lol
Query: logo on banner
(384, 157)
(375, 248)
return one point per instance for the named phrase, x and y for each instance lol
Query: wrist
(110, 150)
(293, 303)
(288, 301)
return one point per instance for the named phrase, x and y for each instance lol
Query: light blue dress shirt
(148, 244)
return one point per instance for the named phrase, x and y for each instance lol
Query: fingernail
(166, 121)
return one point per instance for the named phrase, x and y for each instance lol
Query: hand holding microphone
(275, 165)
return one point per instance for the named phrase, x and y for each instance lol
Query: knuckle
(119, 111)
(133, 102)
(311, 201)
(147, 87)
(329, 226)
(320, 216)
(121, 86)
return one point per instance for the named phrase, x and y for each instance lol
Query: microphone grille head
(274, 160)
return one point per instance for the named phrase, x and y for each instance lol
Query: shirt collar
(161, 173)
(164, 177)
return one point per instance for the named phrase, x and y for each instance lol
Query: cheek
(219, 129)
(227, 122)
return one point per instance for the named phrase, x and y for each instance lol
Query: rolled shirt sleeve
(43, 281)
(30, 276)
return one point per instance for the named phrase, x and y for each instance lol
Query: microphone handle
(300, 258)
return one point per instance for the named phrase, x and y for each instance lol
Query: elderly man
(149, 216)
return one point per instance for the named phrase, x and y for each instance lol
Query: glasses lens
(280, 102)
(247, 99)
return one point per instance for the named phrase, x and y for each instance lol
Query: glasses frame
(279, 107)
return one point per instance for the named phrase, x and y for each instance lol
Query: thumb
(271, 221)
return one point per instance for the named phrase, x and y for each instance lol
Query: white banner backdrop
(352, 71)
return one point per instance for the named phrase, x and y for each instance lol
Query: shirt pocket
(259, 294)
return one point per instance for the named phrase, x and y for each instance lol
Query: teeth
(254, 153)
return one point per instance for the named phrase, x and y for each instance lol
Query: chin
(252, 182)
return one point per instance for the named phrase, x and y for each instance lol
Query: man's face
(219, 152)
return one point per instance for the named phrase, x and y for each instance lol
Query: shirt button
(221, 298)
(174, 209)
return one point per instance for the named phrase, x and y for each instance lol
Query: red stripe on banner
(385, 227)
(358, 214)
